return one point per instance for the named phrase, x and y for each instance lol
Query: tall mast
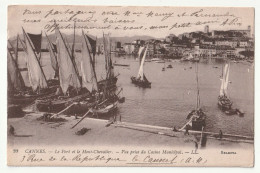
(198, 91)
(40, 49)
(17, 69)
(73, 45)
(23, 46)
(16, 52)
(106, 58)
(94, 55)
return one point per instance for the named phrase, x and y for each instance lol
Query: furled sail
(224, 83)
(67, 69)
(141, 69)
(107, 50)
(36, 76)
(89, 79)
(53, 55)
(15, 80)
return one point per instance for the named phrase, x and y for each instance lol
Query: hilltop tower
(249, 31)
(206, 29)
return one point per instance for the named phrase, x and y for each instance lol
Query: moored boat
(124, 65)
(169, 66)
(18, 93)
(224, 103)
(155, 59)
(197, 117)
(72, 89)
(105, 109)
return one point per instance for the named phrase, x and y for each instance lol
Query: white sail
(107, 50)
(224, 81)
(36, 76)
(141, 69)
(87, 69)
(67, 69)
(140, 52)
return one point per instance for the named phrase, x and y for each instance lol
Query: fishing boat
(124, 65)
(197, 117)
(169, 66)
(155, 59)
(72, 87)
(39, 86)
(107, 99)
(160, 61)
(105, 109)
(141, 79)
(224, 102)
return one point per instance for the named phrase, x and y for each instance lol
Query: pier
(117, 133)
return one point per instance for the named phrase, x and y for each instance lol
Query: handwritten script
(127, 19)
(107, 157)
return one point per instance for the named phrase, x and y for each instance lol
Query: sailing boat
(224, 102)
(110, 80)
(197, 117)
(107, 99)
(141, 80)
(39, 86)
(71, 90)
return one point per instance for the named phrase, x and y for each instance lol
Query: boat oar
(84, 116)
(63, 110)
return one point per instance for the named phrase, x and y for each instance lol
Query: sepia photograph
(130, 86)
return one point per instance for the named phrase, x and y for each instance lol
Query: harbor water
(174, 91)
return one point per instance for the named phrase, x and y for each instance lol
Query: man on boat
(187, 128)
(58, 91)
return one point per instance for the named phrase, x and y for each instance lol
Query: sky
(126, 21)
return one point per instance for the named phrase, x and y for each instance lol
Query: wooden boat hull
(103, 111)
(198, 124)
(234, 111)
(143, 84)
(15, 111)
(224, 106)
(27, 99)
(111, 83)
(56, 104)
(124, 65)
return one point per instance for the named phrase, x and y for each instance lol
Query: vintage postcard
(130, 86)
